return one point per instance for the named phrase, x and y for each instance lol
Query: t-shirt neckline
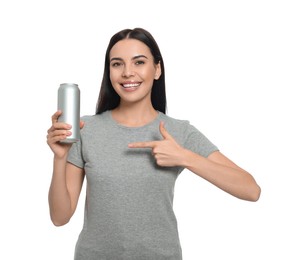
(114, 122)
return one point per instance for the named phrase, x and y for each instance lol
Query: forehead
(129, 48)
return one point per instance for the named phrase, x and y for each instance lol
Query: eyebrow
(134, 58)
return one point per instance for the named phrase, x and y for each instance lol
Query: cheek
(113, 77)
(149, 74)
(114, 82)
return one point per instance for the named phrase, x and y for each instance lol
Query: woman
(131, 153)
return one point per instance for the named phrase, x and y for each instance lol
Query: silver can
(69, 104)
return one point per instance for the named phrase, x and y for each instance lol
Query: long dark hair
(108, 98)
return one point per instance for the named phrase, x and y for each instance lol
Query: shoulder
(94, 123)
(189, 136)
(94, 119)
(179, 125)
(181, 129)
(174, 122)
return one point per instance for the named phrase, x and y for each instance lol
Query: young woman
(131, 154)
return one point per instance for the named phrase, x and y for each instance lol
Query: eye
(116, 64)
(139, 62)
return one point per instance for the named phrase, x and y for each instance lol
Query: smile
(131, 85)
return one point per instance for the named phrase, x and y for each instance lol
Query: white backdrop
(233, 69)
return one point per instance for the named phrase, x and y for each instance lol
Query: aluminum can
(69, 104)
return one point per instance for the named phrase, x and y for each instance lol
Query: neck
(134, 115)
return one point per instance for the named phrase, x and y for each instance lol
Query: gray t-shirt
(129, 198)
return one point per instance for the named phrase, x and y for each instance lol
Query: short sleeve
(75, 155)
(198, 142)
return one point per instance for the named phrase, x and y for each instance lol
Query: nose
(128, 71)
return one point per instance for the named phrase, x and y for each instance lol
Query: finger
(60, 125)
(55, 116)
(81, 124)
(142, 145)
(54, 133)
(164, 131)
(55, 138)
(51, 138)
(60, 132)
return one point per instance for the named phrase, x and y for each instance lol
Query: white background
(233, 68)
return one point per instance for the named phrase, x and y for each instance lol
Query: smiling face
(132, 71)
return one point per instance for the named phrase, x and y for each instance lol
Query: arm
(64, 191)
(67, 179)
(217, 168)
(223, 173)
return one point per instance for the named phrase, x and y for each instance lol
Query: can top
(69, 84)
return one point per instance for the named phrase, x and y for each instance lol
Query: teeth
(131, 85)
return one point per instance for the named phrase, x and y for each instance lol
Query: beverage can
(69, 104)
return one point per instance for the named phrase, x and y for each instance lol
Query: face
(132, 71)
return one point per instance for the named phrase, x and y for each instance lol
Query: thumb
(81, 124)
(164, 132)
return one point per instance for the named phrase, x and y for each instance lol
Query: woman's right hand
(57, 132)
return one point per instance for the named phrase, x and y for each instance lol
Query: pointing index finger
(142, 145)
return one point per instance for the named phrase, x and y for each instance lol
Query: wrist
(190, 159)
(187, 158)
(60, 158)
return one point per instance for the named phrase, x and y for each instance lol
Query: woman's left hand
(167, 152)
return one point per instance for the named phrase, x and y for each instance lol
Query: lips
(130, 85)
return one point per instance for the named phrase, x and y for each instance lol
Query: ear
(157, 71)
